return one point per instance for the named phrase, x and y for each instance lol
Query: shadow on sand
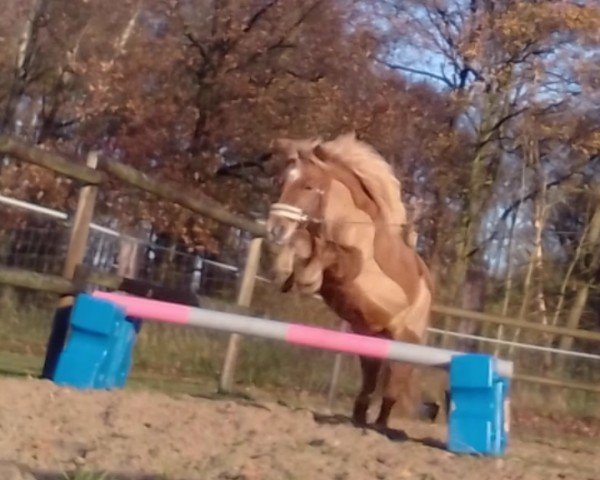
(392, 434)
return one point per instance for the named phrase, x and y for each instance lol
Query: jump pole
(292, 333)
(104, 328)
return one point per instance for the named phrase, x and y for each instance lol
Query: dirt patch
(46, 430)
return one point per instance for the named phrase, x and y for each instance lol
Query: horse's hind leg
(370, 371)
(398, 387)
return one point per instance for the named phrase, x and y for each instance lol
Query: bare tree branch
(233, 169)
(416, 71)
(196, 43)
(506, 118)
(258, 15)
(529, 196)
(283, 41)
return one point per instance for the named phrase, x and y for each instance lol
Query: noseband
(290, 212)
(294, 213)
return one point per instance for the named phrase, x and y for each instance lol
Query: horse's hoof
(359, 422)
(380, 427)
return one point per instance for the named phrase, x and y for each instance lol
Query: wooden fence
(84, 275)
(97, 171)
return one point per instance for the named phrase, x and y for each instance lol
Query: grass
(20, 365)
(24, 320)
(165, 354)
(547, 400)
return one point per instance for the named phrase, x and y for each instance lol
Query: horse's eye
(308, 187)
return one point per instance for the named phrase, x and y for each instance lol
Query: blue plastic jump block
(478, 420)
(99, 349)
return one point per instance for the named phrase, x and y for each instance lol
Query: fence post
(244, 299)
(335, 373)
(81, 222)
(80, 229)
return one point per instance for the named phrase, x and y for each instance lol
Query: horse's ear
(320, 155)
(291, 148)
(311, 157)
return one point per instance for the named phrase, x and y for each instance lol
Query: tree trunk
(508, 279)
(565, 283)
(536, 259)
(592, 243)
(473, 299)
(24, 59)
(474, 207)
(510, 264)
(575, 314)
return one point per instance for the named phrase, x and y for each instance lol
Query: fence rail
(182, 196)
(511, 322)
(527, 346)
(164, 189)
(57, 163)
(552, 382)
(42, 282)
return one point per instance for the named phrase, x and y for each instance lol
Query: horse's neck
(343, 222)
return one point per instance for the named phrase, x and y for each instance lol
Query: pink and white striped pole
(288, 332)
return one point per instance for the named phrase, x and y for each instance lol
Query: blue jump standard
(98, 355)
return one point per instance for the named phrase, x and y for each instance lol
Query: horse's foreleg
(370, 370)
(398, 387)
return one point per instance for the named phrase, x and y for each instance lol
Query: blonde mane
(374, 172)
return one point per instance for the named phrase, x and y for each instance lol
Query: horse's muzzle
(283, 220)
(276, 234)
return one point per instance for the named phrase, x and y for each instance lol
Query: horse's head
(304, 184)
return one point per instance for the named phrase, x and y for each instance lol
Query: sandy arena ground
(46, 431)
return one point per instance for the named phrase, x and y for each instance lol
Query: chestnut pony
(338, 230)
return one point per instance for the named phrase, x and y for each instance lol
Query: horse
(337, 230)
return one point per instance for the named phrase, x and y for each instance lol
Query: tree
(196, 91)
(497, 61)
(485, 109)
